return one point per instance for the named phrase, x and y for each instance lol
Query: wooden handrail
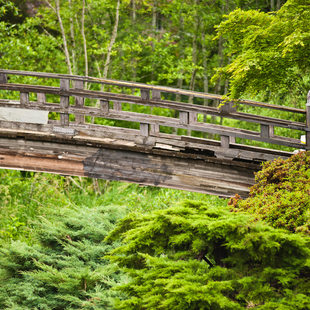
(143, 86)
(149, 124)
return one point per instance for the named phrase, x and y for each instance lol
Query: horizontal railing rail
(110, 106)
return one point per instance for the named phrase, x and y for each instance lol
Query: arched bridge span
(151, 135)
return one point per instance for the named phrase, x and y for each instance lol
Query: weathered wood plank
(24, 99)
(64, 102)
(225, 141)
(41, 98)
(154, 129)
(104, 106)
(227, 107)
(179, 106)
(172, 122)
(23, 115)
(184, 118)
(3, 78)
(209, 176)
(266, 131)
(145, 94)
(79, 102)
(144, 129)
(117, 105)
(150, 88)
(156, 94)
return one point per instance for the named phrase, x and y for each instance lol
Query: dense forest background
(240, 47)
(76, 243)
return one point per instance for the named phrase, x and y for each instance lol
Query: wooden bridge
(151, 135)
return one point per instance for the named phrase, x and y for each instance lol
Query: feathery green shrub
(281, 195)
(196, 256)
(65, 268)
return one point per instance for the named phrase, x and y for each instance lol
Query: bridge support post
(79, 102)
(64, 102)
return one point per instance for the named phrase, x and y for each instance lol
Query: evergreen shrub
(281, 195)
(197, 256)
(65, 268)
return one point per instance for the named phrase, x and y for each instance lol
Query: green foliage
(25, 196)
(194, 256)
(281, 195)
(65, 268)
(270, 52)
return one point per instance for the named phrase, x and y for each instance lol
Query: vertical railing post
(41, 98)
(228, 107)
(79, 102)
(184, 118)
(308, 122)
(144, 129)
(145, 94)
(117, 105)
(64, 102)
(3, 78)
(156, 94)
(104, 106)
(24, 99)
(266, 131)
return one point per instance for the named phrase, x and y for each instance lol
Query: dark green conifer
(281, 195)
(66, 268)
(195, 256)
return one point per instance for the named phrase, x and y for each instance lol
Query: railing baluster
(184, 118)
(145, 94)
(117, 106)
(154, 129)
(225, 141)
(3, 78)
(192, 117)
(144, 129)
(104, 106)
(156, 95)
(41, 98)
(64, 102)
(79, 102)
(24, 99)
(227, 107)
(266, 131)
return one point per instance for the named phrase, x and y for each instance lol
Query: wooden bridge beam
(157, 167)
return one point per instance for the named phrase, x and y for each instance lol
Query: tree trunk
(64, 39)
(84, 41)
(74, 64)
(112, 41)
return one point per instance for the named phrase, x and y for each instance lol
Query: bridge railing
(190, 116)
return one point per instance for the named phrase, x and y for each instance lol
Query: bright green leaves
(195, 256)
(270, 52)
